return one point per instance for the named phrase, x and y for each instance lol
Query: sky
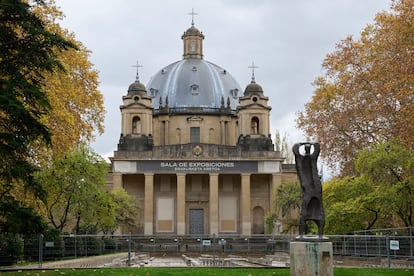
(286, 40)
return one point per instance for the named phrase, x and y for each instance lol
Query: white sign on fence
(206, 242)
(394, 245)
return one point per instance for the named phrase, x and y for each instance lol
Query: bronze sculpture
(306, 167)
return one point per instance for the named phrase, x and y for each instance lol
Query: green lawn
(203, 272)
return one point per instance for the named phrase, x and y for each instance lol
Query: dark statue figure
(312, 207)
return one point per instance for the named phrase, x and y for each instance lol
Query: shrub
(110, 245)
(10, 248)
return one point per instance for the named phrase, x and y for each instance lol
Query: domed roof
(193, 82)
(136, 88)
(253, 87)
(193, 31)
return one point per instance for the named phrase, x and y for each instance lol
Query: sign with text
(196, 166)
(185, 166)
(207, 242)
(394, 245)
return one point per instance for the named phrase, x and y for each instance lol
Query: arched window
(258, 220)
(136, 125)
(255, 125)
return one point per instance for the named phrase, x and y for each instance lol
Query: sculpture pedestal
(311, 258)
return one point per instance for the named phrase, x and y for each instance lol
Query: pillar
(275, 183)
(149, 204)
(222, 130)
(246, 225)
(116, 180)
(167, 132)
(180, 204)
(214, 223)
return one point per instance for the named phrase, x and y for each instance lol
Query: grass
(202, 272)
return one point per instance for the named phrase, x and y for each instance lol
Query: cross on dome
(192, 13)
(137, 66)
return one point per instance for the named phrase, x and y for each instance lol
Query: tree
(27, 51)
(380, 196)
(76, 198)
(282, 145)
(126, 213)
(287, 203)
(351, 204)
(366, 95)
(77, 112)
(390, 166)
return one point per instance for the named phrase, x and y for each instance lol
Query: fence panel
(41, 249)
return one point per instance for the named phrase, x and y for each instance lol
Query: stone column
(214, 218)
(180, 204)
(116, 180)
(275, 183)
(246, 225)
(149, 204)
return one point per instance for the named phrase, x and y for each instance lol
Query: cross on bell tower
(253, 67)
(137, 66)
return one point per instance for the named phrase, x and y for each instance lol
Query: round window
(254, 99)
(136, 98)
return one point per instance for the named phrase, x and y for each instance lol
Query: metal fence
(40, 249)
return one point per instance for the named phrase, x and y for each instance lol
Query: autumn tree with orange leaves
(366, 94)
(50, 105)
(77, 112)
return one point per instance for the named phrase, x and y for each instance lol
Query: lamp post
(129, 249)
(177, 244)
(248, 244)
(153, 244)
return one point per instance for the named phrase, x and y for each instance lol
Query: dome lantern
(192, 41)
(194, 82)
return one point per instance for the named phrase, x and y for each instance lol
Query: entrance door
(196, 222)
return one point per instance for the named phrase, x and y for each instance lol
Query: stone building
(195, 149)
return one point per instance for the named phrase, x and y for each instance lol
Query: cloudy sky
(287, 40)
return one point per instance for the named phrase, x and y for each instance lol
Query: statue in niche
(254, 127)
(306, 167)
(136, 125)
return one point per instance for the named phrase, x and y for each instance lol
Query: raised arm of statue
(295, 148)
(316, 149)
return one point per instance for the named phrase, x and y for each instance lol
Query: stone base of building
(309, 258)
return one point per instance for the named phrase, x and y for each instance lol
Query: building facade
(195, 149)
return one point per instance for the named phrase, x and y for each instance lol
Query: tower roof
(253, 88)
(136, 88)
(193, 31)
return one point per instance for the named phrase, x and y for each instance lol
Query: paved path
(86, 262)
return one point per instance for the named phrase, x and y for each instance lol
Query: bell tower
(254, 113)
(136, 114)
